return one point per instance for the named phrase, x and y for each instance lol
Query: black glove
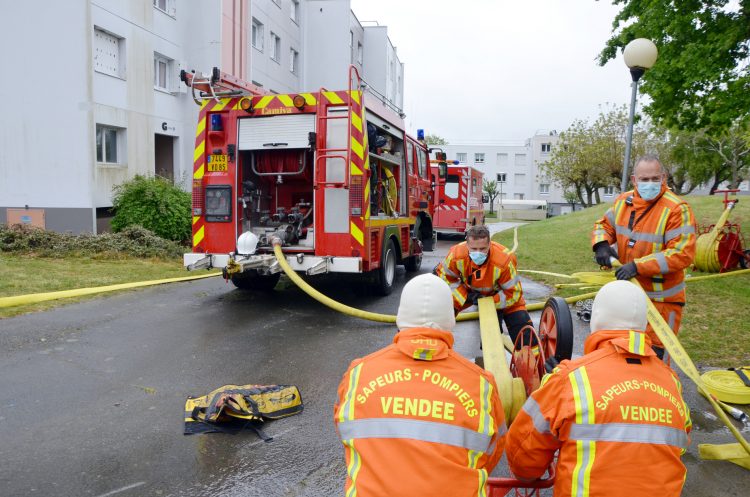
(603, 254)
(473, 297)
(626, 272)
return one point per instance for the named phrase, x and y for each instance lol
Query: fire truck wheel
(745, 260)
(386, 273)
(413, 263)
(251, 280)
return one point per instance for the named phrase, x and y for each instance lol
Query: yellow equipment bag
(232, 408)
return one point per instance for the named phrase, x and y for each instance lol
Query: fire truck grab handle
(275, 144)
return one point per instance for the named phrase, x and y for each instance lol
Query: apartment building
(107, 104)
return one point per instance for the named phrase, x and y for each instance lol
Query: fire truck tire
(386, 273)
(745, 260)
(413, 263)
(251, 280)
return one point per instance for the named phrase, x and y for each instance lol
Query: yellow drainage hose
(727, 385)
(707, 245)
(79, 292)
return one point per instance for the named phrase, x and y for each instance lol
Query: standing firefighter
(652, 231)
(415, 417)
(479, 268)
(616, 414)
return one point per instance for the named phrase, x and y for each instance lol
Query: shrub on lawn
(133, 241)
(154, 203)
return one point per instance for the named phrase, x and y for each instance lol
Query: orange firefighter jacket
(658, 235)
(497, 277)
(416, 418)
(616, 415)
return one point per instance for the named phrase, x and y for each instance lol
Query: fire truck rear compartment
(277, 196)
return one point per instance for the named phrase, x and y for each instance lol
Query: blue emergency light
(420, 134)
(455, 162)
(216, 122)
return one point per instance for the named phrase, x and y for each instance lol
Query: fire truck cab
(332, 175)
(459, 201)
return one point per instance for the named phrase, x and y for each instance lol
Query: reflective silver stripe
(454, 285)
(662, 260)
(502, 302)
(667, 293)
(449, 272)
(610, 216)
(510, 284)
(638, 236)
(531, 407)
(578, 375)
(487, 289)
(425, 431)
(682, 230)
(630, 433)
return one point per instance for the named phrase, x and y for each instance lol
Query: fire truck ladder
(336, 153)
(217, 85)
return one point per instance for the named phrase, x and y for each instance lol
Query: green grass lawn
(715, 327)
(23, 274)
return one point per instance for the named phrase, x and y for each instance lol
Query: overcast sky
(499, 70)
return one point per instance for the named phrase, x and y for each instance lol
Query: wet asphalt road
(92, 393)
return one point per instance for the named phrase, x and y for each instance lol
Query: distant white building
(103, 101)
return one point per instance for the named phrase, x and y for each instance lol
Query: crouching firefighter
(416, 418)
(616, 414)
(479, 267)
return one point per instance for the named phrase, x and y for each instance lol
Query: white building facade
(107, 103)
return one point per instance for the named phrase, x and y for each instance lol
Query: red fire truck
(332, 174)
(459, 201)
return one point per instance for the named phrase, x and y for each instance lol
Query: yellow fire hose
(79, 292)
(730, 452)
(707, 245)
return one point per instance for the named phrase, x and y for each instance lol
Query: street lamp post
(640, 55)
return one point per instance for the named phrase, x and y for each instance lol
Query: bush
(133, 241)
(154, 203)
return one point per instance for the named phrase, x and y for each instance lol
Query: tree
(435, 140)
(490, 188)
(700, 80)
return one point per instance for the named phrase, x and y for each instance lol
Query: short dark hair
(478, 231)
(648, 158)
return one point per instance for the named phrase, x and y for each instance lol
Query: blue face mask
(648, 190)
(478, 257)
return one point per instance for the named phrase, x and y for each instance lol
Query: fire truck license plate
(217, 163)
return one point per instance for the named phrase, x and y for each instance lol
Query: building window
(479, 158)
(257, 34)
(518, 196)
(473, 186)
(609, 191)
(519, 179)
(501, 177)
(544, 188)
(163, 68)
(359, 53)
(502, 160)
(546, 147)
(294, 11)
(520, 160)
(107, 139)
(293, 60)
(109, 53)
(166, 6)
(275, 47)
(461, 157)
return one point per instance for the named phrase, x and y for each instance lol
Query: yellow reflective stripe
(263, 101)
(658, 287)
(423, 354)
(357, 147)
(309, 98)
(355, 171)
(357, 122)
(221, 104)
(352, 469)
(198, 237)
(198, 174)
(285, 100)
(661, 228)
(585, 414)
(196, 219)
(203, 103)
(199, 150)
(346, 410)
(482, 483)
(355, 95)
(201, 126)
(637, 343)
(332, 97)
(356, 233)
(460, 266)
(486, 423)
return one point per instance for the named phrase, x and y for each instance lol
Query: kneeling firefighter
(616, 414)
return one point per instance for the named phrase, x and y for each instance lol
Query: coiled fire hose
(707, 245)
